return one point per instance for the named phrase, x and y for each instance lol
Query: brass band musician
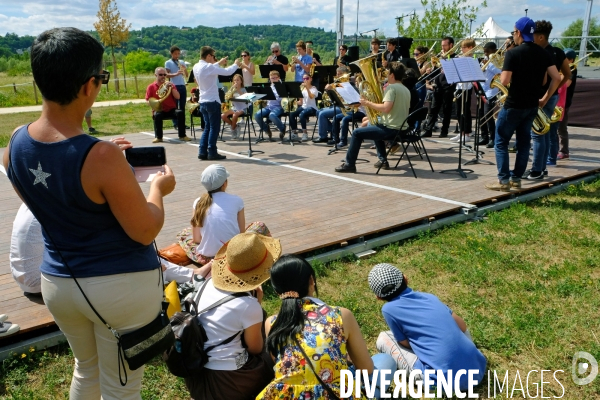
(276, 58)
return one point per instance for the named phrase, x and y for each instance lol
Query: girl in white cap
(217, 217)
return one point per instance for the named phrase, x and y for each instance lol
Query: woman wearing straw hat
(309, 337)
(236, 370)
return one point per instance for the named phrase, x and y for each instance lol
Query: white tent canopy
(492, 30)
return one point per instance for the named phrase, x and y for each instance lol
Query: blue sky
(32, 17)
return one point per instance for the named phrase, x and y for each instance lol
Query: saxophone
(226, 106)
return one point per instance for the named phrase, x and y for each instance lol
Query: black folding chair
(412, 135)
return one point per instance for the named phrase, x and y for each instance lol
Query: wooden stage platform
(296, 192)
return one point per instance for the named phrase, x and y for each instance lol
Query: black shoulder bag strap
(31, 205)
(215, 305)
(309, 362)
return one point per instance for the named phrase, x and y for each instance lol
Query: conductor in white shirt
(206, 73)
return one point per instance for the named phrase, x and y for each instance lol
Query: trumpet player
(463, 104)
(394, 110)
(302, 61)
(307, 107)
(177, 74)
(343, 58)
(545, 147)
(168, 106)
(276, 58)
(315, 56)
(525, 68)
(488, 129)
(206, 72)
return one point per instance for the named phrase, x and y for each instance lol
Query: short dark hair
(422, 49)
(205, 51)
(396, 292)
(449, 39)
(398, 70)
(309, 41)
(490, 46)
(174, 49)
(376, 41)
(62, 60)
(345, 47)
(392, 41)
(543, 27)
(247, 52)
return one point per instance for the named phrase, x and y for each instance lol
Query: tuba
(163, 92)
(370, 87)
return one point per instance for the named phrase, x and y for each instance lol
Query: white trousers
(126, 302)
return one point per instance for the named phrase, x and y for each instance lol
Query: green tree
(112, 29)
(576, 29)
(440, 18)
(141, 61)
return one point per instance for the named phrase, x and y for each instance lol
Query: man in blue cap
(525, 69)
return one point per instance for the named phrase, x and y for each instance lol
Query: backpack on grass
(187, 356)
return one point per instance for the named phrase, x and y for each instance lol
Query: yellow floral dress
(324, 342)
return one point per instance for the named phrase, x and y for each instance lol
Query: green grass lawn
(115, 120)
(24, 94)
(526, 281)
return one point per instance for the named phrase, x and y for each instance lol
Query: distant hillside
(227, 41)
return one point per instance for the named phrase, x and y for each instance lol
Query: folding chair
(412, 135)
(194, 113)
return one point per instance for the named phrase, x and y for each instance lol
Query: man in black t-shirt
(525, 69)
(563, 133)
(391, 54)
(545, 147)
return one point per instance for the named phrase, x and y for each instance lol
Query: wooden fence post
(137, 91)
(35, 92)
(124, 75)
(15, 87)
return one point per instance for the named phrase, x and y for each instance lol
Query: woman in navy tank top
(94, 214)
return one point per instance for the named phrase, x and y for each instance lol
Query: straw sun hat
(243, 263)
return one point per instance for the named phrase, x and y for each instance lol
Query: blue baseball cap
(526, 26)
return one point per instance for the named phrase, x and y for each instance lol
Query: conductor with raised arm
(206, 72)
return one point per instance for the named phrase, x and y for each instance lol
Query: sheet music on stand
(462, 69)
(348, 93)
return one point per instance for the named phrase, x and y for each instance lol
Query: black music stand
(293, 91)
(191, 77)
(266, 69)
(267, 94)
(355, 69)
(462, 70)
(326, 74)
(248, 103)
(229, 78)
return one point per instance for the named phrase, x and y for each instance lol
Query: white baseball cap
(213, 177)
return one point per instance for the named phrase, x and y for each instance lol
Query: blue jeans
(553, 145)
(509, 121)
(345, 121)
(324, 122)
(273, 115)
(303, 113)
(541, 143)
(377, 133)
(211, 113)
(384, 362)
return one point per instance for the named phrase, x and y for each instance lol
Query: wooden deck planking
(306, 209)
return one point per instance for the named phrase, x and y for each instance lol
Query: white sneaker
(8, 328)
(234, 134)
(467, 138)
(455, 138)
(3, 317)
(239, 132)
(305, 137)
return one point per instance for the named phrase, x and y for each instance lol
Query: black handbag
(137, 347)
